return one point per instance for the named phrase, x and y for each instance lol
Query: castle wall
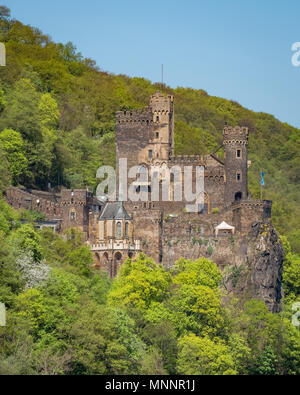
(247, 212)
(45, 203)
(75, 209)
(189, 235)
(148, 229)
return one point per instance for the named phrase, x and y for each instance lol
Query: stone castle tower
(235, 141)
(146, 135)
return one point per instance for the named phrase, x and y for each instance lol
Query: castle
(161, 229)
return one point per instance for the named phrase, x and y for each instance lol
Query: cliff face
(266, 255)
(256, 265)
(252, 264)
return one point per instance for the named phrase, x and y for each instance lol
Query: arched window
(72, 216)
(126, 229)
(119, 230)
(118, 256)
(238, 196)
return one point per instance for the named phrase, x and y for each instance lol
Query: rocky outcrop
(265, 256)
(252, 264)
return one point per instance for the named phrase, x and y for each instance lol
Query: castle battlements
(140, 115)
(235, 132)
(187, 159)
(253, 203)
(160, 102)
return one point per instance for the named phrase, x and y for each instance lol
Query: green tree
(26, 239)
(21, 113)
(5, 177)
(140, 282)
(202, 356)
(13, 146)
(48, 111)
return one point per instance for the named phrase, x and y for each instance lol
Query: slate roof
(114, 211)
(97, 202)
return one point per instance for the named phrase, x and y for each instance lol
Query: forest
(57, 127)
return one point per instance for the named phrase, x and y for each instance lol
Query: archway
(238, 196)
(98, 260)
(116, 263)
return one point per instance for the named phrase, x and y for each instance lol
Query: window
(157, 135)
(157, 119)
(126, 229)
(72, 201)
(238, 196)
(119, 230)
(72, 216)
(238, 153)
(150, 153)
(239, 176)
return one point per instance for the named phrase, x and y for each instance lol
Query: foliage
(139, 283)
(13, 146)
(202, 356)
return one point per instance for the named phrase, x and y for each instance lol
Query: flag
(262, 179)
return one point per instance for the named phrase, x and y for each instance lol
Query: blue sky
(236, 49)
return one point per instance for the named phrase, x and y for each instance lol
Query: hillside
(61, 108)
(63, 316)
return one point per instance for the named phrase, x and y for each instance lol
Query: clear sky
(236, 49)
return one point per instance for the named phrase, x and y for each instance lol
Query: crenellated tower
(235, 140)
(162, 108)
(146, 136)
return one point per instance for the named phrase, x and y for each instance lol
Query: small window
(119, 230)
(72, 201)
(126, 229)
(150, 153)
(238, 153)
(157, 119)
(72, 216)
(157, 135)
(238, 176)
